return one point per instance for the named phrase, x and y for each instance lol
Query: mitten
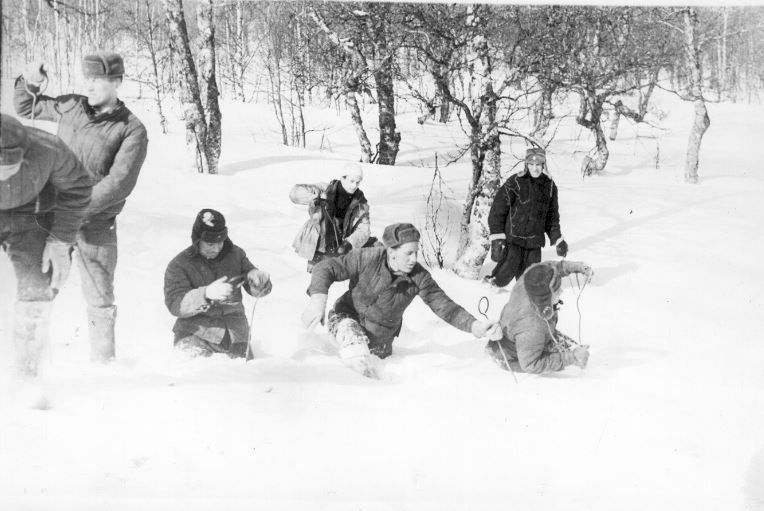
(259, 283)
(57, 258)
(498, 250)
(344, 248)
(562, 248)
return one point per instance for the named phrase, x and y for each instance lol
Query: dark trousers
(23, 239)
(96, 249)
(198, 347)
(517, 260)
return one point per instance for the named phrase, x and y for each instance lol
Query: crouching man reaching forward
(202, 288)
(531, 342)
(383, 282)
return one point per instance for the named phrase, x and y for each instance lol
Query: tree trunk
(389, 138)
(702, 121)
(355, 116)
(191, 103)
(207, 72)
(590, 117)
(542, 112)
(158, 88)
(487, 161)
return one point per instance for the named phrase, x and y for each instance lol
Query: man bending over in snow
(201, 288)
(44, 193)
(531, 342)
(383, 282)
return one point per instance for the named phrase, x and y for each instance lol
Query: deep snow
(668, 415)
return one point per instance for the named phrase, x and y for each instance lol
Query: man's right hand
(314, 312)
(35, 73)
(578, 356)
(219, 291)
(498, 250)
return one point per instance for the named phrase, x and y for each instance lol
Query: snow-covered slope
(668, 415)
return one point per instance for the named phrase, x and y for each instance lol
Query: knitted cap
(535, 155)
(397, 234)
(540, 279)
(103, 65)
(352, 169)
(209, 226)
(13, 140)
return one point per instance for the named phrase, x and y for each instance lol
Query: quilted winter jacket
(51, 179)
(111, 146)
(185, 280)
(378, 298)
(527, 332)
(524, 209)
(311, 237)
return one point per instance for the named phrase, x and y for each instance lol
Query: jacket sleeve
(335, 269)
(552, 225)
(73, 188)
(531, 356)
(305, 193)
(497, 216)
(123, 174)
(362, 230)
(445, 308)
(181, 298)
(46, 108)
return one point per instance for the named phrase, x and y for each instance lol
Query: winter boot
(31, 331)
(101, 331)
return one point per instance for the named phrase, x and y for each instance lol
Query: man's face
(350, 183)
(403, 258)
(101, 91)
(210, 250)
(535, 168)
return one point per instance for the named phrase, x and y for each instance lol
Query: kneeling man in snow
(383, 282)
(202, 288)
(531, 342)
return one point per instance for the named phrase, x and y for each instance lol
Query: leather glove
(578, 356)
(57, 258)
(498, 250)
(259, 283)
(314, 312)
(35, 73)
(344, 248)
(485, 328)
(562, 248)
(219, 291)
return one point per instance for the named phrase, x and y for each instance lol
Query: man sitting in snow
(383, 282)
(531, 342)
(201, 288)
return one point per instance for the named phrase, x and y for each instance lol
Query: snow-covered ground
(668, 415)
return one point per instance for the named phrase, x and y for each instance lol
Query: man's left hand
(562, 248)
(259, 283)
(57, 258)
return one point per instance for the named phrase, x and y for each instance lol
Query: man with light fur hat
(338, 216)
(383, 282)
(111, 143)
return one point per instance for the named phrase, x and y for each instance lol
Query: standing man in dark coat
(531, 342)
(202, 289)
(383, 282)
(524, 210)
(111, 144)
(44, 193)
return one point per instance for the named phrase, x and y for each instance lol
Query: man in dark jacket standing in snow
(111, 144)
(531, 342)
(383, 282)
(524, 209)
(44, 192)
(202, 288)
